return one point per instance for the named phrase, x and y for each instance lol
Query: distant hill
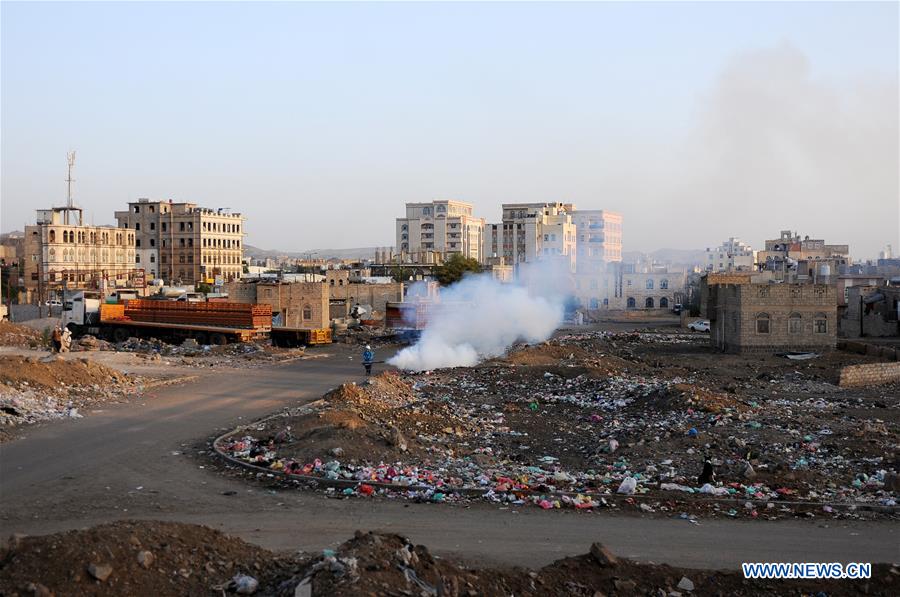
(356, 253)
(687, 257)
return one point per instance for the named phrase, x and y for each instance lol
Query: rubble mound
(134, 558)
(53, 371)
(385, 390)
(166, 558)
(388, 564)
(547, 353)
(12, 334)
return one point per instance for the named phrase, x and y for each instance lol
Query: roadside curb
(619, 499)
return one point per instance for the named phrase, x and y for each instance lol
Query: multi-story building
(731, 255)
(183, 243)
(599, 239)
(802, 260)
(533, 231)
(438, 229)
(631, 286)
(61, 252)
(752, 317)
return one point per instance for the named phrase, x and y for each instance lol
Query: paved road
(79, 473)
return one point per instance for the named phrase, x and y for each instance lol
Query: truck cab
(81, 310)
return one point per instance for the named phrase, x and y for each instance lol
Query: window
(53, 236)
(663, 285)
(137, 258)
(152, 242)
(649, 302)
(595, 304)
(762, 322)
(606, 302)
(307, 312)
(631, 303)
(650, 284)
(137, 209)
(165, 226)
(820, 323)
(663, 303)
(137, 243)
(795, 323)
(181, 226)
(153, 259)
(137, 226)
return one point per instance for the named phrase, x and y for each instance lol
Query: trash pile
(164, 558)
(34, 390)
(599, 420)
(192, 354)
(22, 336)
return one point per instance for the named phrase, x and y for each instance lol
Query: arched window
(820, 323)
(307, 312)
(762, 323)
(650, 284)
(663, 302)
(53, 236)
(795, 323)
(649, 302)
(663, 285)
(65, 236)
(630, 303)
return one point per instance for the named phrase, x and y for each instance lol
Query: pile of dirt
(163, 558)
(135, 558)
(34, 390)
(53, 371)
(12, 334)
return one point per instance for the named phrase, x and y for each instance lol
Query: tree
(203, 287)
(455, 268)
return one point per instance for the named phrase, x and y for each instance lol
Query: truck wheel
(218, 339)
(120, 334)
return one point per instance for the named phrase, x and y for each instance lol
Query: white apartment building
(731, 255)
(439, 229)
(599, 239)
(533, 231)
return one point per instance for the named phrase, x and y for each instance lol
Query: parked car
(54, 303)
(677, 309)
(701, 325)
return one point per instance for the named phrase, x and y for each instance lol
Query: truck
(84, 312)
(293, 337)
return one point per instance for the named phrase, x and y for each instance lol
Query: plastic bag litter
(707, 488)
(628, 486)
(244, 585)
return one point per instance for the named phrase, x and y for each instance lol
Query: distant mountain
(357, 253)
(687, 257)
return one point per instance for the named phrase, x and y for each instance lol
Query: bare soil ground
(159, 558)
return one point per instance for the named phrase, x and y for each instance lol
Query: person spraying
(368, 359)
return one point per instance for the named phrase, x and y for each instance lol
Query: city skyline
(317, 112)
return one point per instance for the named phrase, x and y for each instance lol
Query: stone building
(433, 231)
(61, 252)
(746, 318)
(630, 286)
(184, 243)
(294, 304)
(346, 288)
(871, 311)
(531, 232)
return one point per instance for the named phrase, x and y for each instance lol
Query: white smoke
(478, 318)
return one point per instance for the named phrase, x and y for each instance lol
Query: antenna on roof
(70, 203)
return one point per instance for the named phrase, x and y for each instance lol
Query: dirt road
(140, 460)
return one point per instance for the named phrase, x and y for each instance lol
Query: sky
(696, 121)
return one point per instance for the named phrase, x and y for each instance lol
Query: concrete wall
(854, 376)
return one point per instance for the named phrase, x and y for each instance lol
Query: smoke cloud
(479, 318)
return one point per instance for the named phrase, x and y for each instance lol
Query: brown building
(771, 317)
(345, 291)
(60, 252)
(183, 243)
(294, 304)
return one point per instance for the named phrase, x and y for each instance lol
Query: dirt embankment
(161, 558)
(12, 334)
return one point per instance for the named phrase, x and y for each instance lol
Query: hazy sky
(697, 121)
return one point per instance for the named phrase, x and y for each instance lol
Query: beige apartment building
(433, 231)
(60, 252)
(530, 232)
(183, 243)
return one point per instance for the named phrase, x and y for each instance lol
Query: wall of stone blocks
(854, 376)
